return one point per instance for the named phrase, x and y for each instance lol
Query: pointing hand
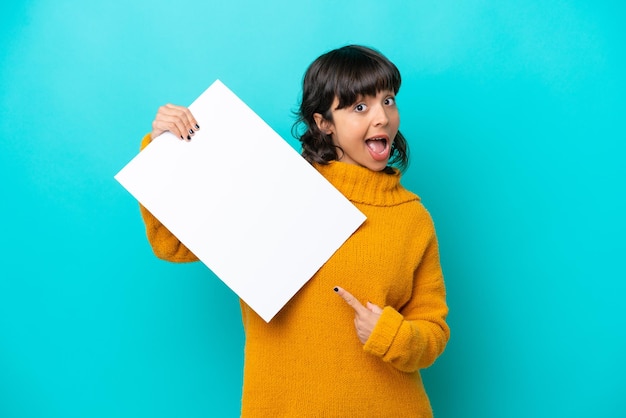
(365, 317)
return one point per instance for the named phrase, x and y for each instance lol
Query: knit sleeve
(164, 244)
(413, 338)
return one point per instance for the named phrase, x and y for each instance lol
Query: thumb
(374, 308)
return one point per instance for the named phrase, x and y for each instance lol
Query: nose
(380, 117)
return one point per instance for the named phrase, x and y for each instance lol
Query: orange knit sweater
(308, 361)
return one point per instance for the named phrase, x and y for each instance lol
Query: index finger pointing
(350, 300)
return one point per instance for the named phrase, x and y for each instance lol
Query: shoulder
(415, 211)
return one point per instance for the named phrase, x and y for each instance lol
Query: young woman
(357, 352)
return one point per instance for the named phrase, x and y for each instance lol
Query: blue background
(515, 115)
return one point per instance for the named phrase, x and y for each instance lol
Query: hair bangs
(362, 73)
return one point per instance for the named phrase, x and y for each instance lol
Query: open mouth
(377, 145)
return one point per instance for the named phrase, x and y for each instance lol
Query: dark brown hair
(346, 73)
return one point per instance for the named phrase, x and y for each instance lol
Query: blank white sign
(242, 200)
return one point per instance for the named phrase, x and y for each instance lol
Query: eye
(390, 101)
(360, 107)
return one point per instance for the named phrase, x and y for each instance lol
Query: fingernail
(336, 289)
(188, 137)
(181, 137)
(197, 127)
(191, 132)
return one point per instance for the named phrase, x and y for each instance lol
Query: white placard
(243, 201)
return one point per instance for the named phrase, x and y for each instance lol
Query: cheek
(396, 123)
(347, 128)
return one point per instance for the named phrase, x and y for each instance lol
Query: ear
(323, 125)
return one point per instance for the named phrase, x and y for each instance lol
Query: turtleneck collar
(362, 185)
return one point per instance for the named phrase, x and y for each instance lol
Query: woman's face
(364, 130)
